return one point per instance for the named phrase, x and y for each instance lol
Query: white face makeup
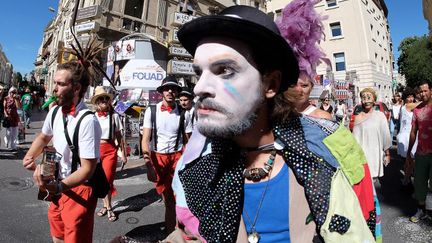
(229, 88)
(367, 99)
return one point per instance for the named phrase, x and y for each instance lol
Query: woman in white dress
(372, 132)
(405, 130)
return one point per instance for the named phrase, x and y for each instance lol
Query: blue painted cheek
(232, 91)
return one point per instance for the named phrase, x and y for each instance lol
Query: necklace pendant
(253, 237)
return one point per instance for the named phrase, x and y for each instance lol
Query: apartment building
(357, 41)
(152, 21)
(6, 69)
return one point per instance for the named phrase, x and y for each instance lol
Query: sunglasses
(103, 98)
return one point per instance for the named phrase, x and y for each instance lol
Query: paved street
(24, 218)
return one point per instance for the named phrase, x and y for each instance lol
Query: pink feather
(302, 28)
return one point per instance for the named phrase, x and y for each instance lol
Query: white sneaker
(419, 215)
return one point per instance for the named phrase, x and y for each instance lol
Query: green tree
(415, 60)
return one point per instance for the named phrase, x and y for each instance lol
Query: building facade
(6, 69)
(427, 13)
(357, 42)
(111, 21)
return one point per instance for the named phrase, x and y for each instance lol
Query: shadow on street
(130, 172)
(390, 190)
(143, 234)
(137, 202)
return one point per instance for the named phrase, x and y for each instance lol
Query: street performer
(71, 212)
(256, 170)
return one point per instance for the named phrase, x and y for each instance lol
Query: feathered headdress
(87, 57)
(302, 28)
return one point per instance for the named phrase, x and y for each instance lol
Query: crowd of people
(252, 160)
(16, 107)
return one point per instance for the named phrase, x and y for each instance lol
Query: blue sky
(21, 30)
(22, 23)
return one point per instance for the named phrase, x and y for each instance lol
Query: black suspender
(74, 145)
(153, 124)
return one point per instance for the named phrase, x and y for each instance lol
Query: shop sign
(180, 67)
(173, 36)
(180, 19)
(141, 73)
(179, 51)
(67, 37)
(89, 26)
(94, 11)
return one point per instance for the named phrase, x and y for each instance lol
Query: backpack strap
(181, 128)
(110, 119)
(54, 115)
(153, 124)
(74, 145)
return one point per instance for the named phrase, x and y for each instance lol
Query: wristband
(59, 188)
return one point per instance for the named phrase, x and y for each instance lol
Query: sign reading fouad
(180, 67)
(141, 73)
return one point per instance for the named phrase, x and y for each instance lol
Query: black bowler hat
(187, 92)
(251, 26)
(169, 81)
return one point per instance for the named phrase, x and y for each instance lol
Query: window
(339, 61)
(162, 14)
(134, 8)
(187, 9)
(331, 3)
(336, 29)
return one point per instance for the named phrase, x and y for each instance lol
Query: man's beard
(66, 99)
(236, 126)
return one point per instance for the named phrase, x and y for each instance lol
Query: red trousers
(71, 217)
(164, 165)
(108, 156)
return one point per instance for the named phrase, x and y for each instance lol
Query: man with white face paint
(372, 133)
(251, 172)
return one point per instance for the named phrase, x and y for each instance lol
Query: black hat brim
(262, 40)
(159, 89)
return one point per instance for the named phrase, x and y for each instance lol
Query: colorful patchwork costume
(327, 165)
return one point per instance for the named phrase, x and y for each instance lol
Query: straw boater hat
(251, 26)
(100, 91)
(169, 81)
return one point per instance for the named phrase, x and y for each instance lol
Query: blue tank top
(273, 221)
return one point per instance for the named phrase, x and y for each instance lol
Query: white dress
(373, 135)
(404, 133)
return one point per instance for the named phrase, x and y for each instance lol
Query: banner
(140, 73)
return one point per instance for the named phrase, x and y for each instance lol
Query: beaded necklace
(257, 174)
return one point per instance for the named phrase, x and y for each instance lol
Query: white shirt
(190, 114)
(105, 123)
(166, 125)
(88, 142)
(396, 110)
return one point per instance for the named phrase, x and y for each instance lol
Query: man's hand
(387, 160)
(37, 177)
(29, 162)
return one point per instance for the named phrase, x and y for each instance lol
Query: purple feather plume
(302, 28)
